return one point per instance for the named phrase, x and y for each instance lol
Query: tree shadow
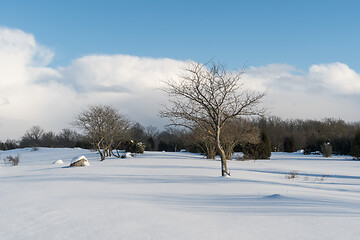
(274, 204)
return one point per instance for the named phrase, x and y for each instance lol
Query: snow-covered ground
(161, 195)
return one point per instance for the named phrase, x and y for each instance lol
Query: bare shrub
(292, 175)
(321, 179)
(12, 160)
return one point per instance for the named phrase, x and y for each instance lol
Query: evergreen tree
(162, 146)
(261, 150)
(289, 144)
(326, 149)
(355, 148)
(265, 140)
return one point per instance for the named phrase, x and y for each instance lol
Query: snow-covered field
(161, 195)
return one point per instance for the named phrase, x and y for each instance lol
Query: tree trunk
(228, 155)
(101, 154)
(220, 149)
(210, 150)
(229, 150)
(110, 152)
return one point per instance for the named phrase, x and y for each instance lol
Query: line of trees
(38, 137)
(309, 135)
(239, 135)
(283, 135)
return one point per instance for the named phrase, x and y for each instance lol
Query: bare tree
(208, 97)
(104, 125)
(151, 131)
(67, 138)
(32, 137)
(172, 138)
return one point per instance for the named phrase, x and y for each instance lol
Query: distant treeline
(285, 136)
(37, 137)
(309, 135)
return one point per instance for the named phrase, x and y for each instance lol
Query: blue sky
(57, 57)
(299, 33)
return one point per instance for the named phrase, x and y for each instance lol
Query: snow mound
(127, 155)
(79, 162)
(279, 197)
(274, 196)
(58, 162)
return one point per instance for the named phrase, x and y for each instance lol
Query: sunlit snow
(160, 195)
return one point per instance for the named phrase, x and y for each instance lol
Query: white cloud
(34, 94)
(18, 47)
(273, 76)
(23, 63)
(127, 82)
(326, 90)
(31, 93)
(118, 72)
(337, 77)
